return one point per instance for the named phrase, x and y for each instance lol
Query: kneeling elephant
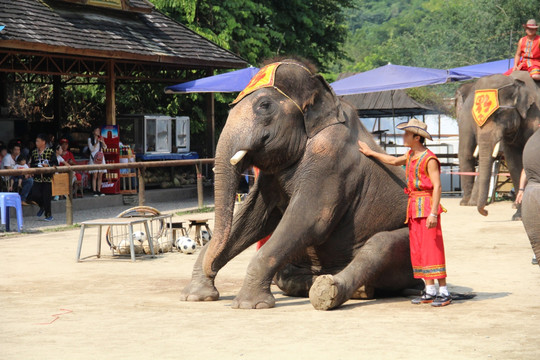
(336, 217)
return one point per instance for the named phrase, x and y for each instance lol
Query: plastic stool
(8, 199)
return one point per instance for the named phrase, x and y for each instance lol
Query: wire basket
(118, 238)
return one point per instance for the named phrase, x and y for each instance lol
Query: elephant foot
(200, 291)
(327, 293)
(262, 300)
(464, 202)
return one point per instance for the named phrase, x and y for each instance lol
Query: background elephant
(531, 196)
(330, 209)
(511, 126)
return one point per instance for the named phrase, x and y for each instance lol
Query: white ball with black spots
(186, 245)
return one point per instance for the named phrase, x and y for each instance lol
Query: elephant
(508, 127)
(531, 195)
(336, 217)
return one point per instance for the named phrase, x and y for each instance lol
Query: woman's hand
(431, 222)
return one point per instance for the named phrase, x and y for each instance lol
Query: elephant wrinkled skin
(511, 126)
(336, 217)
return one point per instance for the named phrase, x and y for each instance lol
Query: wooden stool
(177, 226)
(199, 223)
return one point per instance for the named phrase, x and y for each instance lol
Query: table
(129, 222)
(198, 223)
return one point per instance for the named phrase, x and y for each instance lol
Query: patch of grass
(62, 228)
(205, 209)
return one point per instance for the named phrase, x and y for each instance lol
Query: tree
(256, 30)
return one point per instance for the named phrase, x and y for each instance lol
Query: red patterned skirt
(427, 249)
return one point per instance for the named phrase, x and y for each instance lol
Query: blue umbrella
(2, 27)
(389, 77)
(479, 70)
(233, 81)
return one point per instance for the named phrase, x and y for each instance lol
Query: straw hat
(531, 24)
(416, 127)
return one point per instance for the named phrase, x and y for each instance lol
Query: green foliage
(434, 33)
(256, 30)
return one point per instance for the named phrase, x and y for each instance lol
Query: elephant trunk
(227, 179)
(487, 152)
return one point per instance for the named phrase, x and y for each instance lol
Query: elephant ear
(322, 109)
(524, 98)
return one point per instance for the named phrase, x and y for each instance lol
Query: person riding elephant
(529, 193)
(527, 56)
(335, 218)
(499, 112)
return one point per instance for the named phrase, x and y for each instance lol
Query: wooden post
(141, 186)
(69, 201)
(57, 102)
(110, 94)
(210, 125)
(199, 186)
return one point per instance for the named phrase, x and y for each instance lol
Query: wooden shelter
(389, 103)
(107, 39)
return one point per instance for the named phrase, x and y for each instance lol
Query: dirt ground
(56, 308)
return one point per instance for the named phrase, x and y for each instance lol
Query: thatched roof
(139, 34)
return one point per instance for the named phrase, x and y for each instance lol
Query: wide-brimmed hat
(531, 24)
(416, 127)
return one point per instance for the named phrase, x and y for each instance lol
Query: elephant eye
(264, 106)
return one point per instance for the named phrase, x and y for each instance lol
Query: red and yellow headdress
(266, 77)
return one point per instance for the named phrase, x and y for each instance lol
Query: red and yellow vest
(530, 51)
(419, 186)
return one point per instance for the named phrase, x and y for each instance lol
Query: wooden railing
(141, 166)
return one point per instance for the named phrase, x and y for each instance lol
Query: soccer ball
(186, 245)
(205, 236)
(139, 236)
(123, 247)
(164, 244)
(146, 247)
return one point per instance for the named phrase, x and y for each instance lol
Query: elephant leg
(531, 221)
(474, 194)
(252, 223)
(201, 287)
(514, 162)
(382, 263)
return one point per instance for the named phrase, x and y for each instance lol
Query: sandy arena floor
(114, 309)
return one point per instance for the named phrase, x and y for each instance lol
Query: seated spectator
(9, 162)
(65, 157)
(18, 179)
(3, 153)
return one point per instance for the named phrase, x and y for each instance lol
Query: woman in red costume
(423, 210)
(527, 56)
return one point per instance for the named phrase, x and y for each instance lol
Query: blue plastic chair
(8, 199)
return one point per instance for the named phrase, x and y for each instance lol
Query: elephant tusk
(237, 157)
(476, 151)
(496, 150)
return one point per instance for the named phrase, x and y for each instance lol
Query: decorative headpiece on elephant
(335, 217)
(507, 110)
